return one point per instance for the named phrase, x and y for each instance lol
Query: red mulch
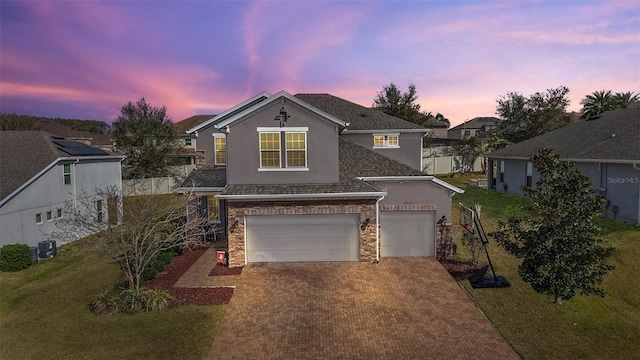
(188, 296)
(459, 269)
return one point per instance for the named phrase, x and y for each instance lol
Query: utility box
(34, 254)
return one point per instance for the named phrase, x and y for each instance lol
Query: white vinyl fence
(440, 160)
(156, 186)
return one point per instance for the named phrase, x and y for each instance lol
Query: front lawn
(580, 328)
(44, 313)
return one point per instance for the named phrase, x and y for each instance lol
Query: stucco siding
(409, 152)
(243, 148)
(416, 193)
(204, 142)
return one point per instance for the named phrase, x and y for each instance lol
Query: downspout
(637, 167)
(378, 228)
(75, 184)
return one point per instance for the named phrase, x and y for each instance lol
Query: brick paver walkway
(401, 308)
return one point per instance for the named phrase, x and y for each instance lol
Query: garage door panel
(407, 233)
(290, 238)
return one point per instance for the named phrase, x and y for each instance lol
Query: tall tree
(527, 117)
(469, 148)
(392, 101)
(597, 103)
(557, 240)
(441, 117)
(145, 135)
(626, 100)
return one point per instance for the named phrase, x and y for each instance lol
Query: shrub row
(15, 257)
(130, 301)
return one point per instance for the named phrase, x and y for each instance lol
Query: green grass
(44, 314)
(585, 327)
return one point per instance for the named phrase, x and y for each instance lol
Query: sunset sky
(85, 59)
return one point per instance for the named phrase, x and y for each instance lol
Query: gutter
(384, 131)
(576, 160)
(312, 196)
(442, 183)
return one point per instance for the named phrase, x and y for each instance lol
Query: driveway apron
(401, 308)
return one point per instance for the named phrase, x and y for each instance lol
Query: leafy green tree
(557, 239)
(527, 117)
(441, 117)
(93, 126)
(392, 101)
(15, 122)
(146, 136)
(469, 148)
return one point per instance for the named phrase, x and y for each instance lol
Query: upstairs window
(66, 174)
(270, 150)
(386, 141)
(283, 148)
(296, 149)
(220, 150)
(187, 142)
(38, 218)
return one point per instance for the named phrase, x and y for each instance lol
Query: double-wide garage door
(407, 233)
(291, 238)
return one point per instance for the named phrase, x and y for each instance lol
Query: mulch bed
(188, 296)
(460, 269)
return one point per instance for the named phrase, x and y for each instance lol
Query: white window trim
(386, 141)
(47, 215)
(283, 147)
(41, 218)
(64, 174)
(215, 157)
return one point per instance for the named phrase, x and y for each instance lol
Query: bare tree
(132, 232)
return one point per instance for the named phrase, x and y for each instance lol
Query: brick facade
(238, 210)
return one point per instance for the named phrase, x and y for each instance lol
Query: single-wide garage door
(407, 233)
(289, 238)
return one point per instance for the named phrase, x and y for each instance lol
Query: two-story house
(316, 178)
(39, 173)
(478, 126)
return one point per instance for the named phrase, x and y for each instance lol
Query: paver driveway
(401, 308)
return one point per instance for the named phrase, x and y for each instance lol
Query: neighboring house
(189, 140)
(39, 173)
(288, 181)
(474, 127)
(100, 141)
(606, 148)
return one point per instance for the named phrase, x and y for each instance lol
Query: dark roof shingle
(614, 135)
(358, 116)
(182, 126)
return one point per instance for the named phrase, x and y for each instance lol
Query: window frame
(216, 205)
(501, 171)
(386, 141)
(529, 174)
(99, 210)
(216, 137)
(49, 215)
(188, 142)
(66, 176)
(59, 213)
(39, 218)
(283, 149)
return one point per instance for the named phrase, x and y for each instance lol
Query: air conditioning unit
(47, 249)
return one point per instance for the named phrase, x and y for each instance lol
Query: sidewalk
(197, 275)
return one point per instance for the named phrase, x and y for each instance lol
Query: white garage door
(290, 238)
(407, 233)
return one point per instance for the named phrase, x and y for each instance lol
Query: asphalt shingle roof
(23, 154)
(359, 117)
(182, 126)
(478, 123)
(614, 135)
(206, 176)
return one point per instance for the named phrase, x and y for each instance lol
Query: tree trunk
(558, 299)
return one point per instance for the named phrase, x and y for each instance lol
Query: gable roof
(27, 153)
(613, 137)
(358, 116)
(276, 97)
(478, 123)
(232, 111)
(183, 126)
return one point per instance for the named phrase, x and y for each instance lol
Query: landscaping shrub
(149, 273)
(15, 257)
(129, 301)
(166, 257)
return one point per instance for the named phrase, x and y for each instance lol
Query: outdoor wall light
(234, 226)
(365, 224)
